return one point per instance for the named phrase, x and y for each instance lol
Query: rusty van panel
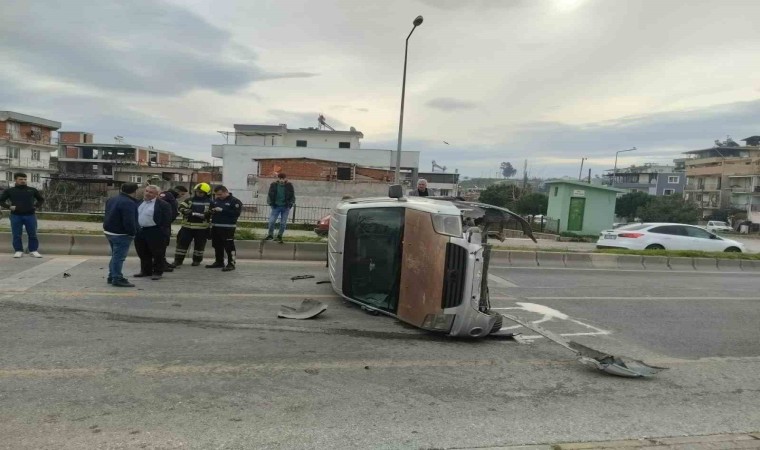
(422, 268)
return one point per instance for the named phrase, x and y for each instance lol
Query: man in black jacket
(120, 227)
(281, 198)
(23, 200)
(225, 210)
(172, 197)
(155, 219)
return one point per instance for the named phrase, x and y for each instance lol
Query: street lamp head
(418, 21)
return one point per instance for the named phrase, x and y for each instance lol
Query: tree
(669, 208)
(507, 170)
(532, 204)
(629, 204)
(503, 195)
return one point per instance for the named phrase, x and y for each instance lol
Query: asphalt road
(199, 360)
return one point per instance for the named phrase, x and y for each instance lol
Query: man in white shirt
(154, 216)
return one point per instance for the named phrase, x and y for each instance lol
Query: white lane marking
(501, 282)
(20, 282)
(548, 314)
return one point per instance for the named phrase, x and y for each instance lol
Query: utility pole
(525, 175)
(580, 174)
(589, 176)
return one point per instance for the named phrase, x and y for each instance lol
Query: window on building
(135, 178)
(300, 143)
(13, 128)
(35, 178)
(35, 155)
(9, 176)
(444, 192)
(344, 173)
(673, 180)
(669, 191)
(342, 145)
(13, 152)
(556, 190)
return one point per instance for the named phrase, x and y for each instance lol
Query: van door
(422, 269)
(372, 256)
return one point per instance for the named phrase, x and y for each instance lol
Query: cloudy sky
(549, 81)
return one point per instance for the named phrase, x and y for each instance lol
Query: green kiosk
(581, 208)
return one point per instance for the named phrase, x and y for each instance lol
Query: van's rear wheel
(655, 247)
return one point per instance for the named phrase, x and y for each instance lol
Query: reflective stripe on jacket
(195, 212)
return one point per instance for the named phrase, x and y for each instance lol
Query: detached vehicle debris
(425, 262)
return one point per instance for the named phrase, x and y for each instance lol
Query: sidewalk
(709, 442)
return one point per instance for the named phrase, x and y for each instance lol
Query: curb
(94, 245)
(575, 260)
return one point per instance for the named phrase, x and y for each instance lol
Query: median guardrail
(94, 245)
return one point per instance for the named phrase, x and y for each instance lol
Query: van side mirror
(395, 191)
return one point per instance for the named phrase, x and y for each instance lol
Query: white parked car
(715, 226)
(666, 236)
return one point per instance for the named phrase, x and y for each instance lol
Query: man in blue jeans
(281, 198)
(23, 201)
(120, 227)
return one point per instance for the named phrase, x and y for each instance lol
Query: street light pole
(614, 171)
(417, 22)
(580, 174)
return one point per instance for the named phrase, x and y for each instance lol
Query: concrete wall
(314, 139)
(324, 194)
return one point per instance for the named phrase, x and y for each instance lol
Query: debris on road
(309, 309)
(615, 365)
(301, 277)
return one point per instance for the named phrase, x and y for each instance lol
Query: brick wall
(312, 169)
(375, 174)
(70, 137)
(299, 169)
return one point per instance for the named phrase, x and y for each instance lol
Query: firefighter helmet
(203, 187)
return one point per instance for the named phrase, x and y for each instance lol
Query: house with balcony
(90, 172)
(654, 179)
(724, 176)
(323, 163)
(26, 144)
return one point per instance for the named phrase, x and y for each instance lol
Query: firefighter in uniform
(195, 212)
(225, 210)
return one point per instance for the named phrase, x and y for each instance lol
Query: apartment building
(79, 158)
(26, 144)
(724, 177)
(654, 179)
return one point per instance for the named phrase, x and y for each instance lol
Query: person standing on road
(23, 201)
(195, 212)
(281, 198)
(422, 190)
(225, 211)
(173, 196)
(120, 227)
(155, 219)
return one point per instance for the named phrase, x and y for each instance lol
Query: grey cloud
(450, 104)
(460, 4)
(660, 137)
(139, 46)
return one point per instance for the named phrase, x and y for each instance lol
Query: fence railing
(250, 213)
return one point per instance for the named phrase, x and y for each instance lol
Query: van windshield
(372, 256)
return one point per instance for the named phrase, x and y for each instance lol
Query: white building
(324, 165)
(25, 146)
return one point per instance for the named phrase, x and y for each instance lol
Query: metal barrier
(251, 213)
